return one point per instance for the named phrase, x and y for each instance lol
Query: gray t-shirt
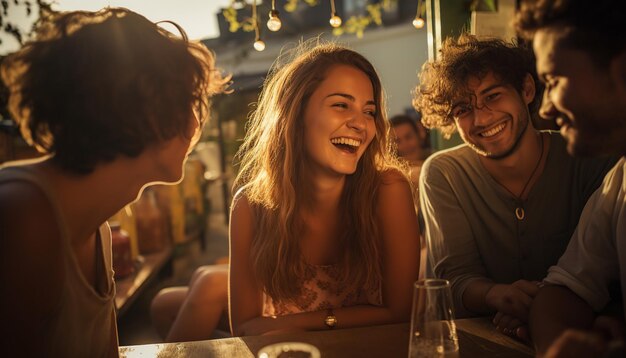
(470, 223)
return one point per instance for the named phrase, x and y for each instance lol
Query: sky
(197, 17)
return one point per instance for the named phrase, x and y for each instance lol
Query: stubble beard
(499, 156)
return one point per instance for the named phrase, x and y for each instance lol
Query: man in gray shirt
(501, 208)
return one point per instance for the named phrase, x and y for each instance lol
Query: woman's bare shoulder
(393, 178)
(394, 192)
(242, 213)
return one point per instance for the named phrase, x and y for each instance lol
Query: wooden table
(128, 288)
(477, 338)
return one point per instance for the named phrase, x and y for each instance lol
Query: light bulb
(418, 22)
(259, 45)
(274, 22)
(335, 21)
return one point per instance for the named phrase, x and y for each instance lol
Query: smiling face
(584, 99)
(494, 118)
(340, 121)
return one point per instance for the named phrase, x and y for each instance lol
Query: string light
(259, 45)
(419, 22)
(335, 20)
(274, 22)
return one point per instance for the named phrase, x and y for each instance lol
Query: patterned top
(322, 289)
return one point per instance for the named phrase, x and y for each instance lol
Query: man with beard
(499, 209)
(581, 56)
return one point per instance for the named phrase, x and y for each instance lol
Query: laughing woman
(323, 229)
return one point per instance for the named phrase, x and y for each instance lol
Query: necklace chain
(519, 211)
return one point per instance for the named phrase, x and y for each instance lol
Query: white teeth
(493, 131)
(346, 141)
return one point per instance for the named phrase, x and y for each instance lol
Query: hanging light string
(256, 23)
(259, 45)
(274, 22)
(335, 21)
(419, 22)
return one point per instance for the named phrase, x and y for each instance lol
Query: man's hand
(610, 328)
(512, 327)
(513, 300)
(577, 343)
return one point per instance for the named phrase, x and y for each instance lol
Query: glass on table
(289, 350)
(433, 331)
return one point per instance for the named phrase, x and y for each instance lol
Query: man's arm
(555, 309)
(452, 249)
(562, 314)
(454, 253)
(514, 299)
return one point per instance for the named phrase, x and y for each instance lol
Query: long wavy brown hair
(272, 158)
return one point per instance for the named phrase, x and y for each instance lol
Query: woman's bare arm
(400, 238)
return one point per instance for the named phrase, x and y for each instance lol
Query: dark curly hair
(445, 80)
(96, 85)
(596, 28)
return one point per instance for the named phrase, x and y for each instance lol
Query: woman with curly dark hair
(115, 103)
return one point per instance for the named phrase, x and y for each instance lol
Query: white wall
(397, 53)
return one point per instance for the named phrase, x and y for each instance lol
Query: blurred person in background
(412, 143)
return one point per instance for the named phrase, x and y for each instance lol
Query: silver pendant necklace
(520, 214)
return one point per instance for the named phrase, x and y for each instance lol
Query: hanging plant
(230, 15)
(483, 5)
(358, 24)
(292, 5)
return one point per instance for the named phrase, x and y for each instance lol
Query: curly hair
(597, 28)
(95, 85)
(445, 80)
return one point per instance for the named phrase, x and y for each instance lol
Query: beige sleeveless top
(81, 325)
(322, 289)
